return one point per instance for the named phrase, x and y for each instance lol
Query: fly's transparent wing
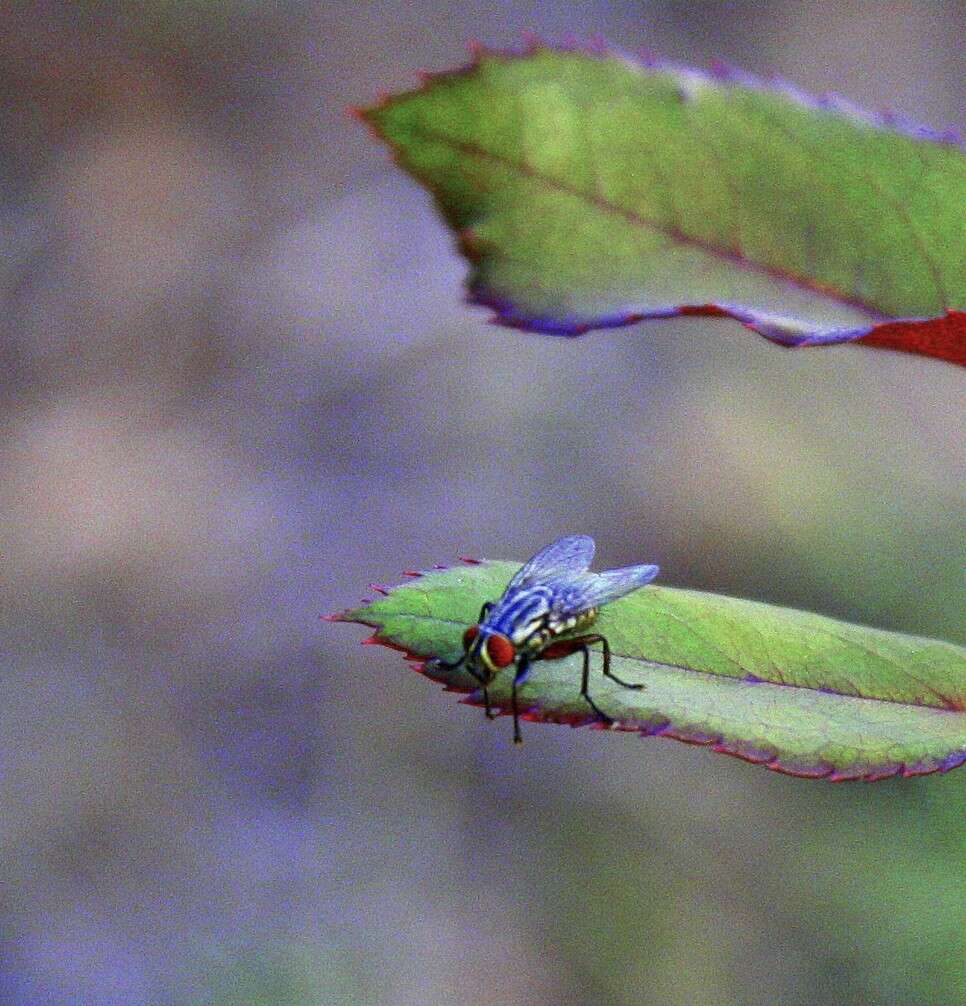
(594, 589)
(566, 557)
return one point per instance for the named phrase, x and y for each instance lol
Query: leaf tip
(367, 114)
(376, 640)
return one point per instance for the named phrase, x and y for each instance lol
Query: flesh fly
(542, 615)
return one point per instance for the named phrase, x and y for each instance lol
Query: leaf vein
(673, 234)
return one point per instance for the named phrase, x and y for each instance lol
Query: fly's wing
(565, 558)
(594, 589)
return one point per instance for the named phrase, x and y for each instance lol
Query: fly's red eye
(500, 650)
(471, 633)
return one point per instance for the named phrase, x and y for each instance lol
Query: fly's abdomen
(586, 618)
(536, 641)
(574, 623)
(559, 625)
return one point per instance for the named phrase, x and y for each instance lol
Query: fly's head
(487, 651)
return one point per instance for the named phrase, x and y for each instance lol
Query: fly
(542, 615)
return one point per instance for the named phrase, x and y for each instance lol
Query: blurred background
(237, 383)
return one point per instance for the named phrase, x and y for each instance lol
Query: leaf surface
(798, 692)
(593, 190)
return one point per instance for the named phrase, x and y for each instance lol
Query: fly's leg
(451, 666)
(608, 673)
(585, 678)
(581, 644)
(490, 715)
(488, 709)
(585, 642)
(448, 665)
(523, 670)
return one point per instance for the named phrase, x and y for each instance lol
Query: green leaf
(591, 190)
(795, 691)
